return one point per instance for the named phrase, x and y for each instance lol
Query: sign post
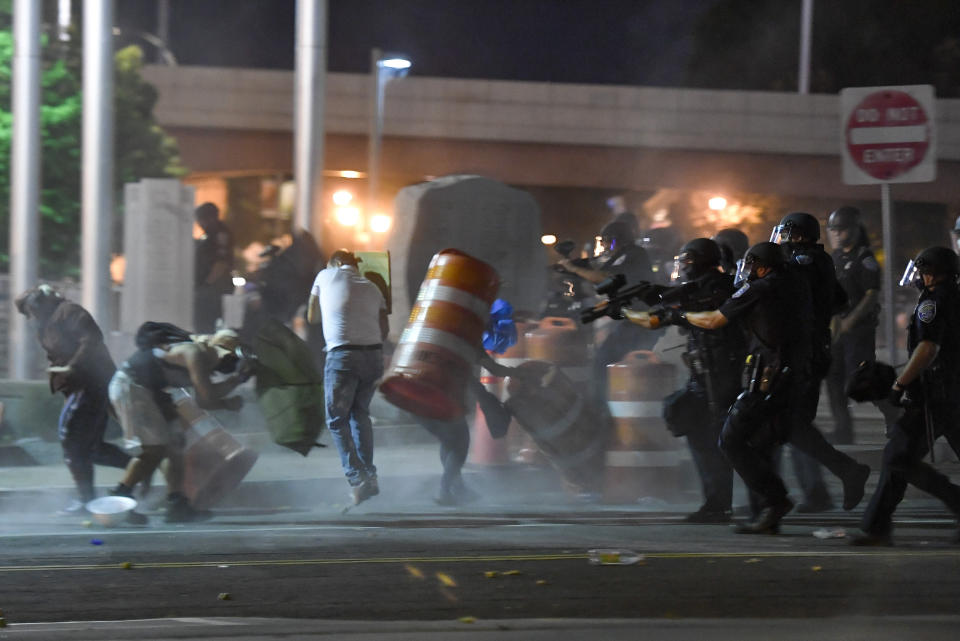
(888, 137)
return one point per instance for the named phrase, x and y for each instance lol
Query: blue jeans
(349, 381)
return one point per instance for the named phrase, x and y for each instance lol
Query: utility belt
(763, 378)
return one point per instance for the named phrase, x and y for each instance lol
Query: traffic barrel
(643, 458)
(438, 348)
(215, 463)
(556, 413)
(484, 448)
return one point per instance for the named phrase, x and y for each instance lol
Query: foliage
(141, 148)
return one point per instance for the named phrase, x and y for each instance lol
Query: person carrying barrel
(168, 357)
(353, 314)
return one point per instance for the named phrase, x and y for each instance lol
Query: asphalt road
(462, 568)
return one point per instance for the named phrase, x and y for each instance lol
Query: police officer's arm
(858, 313)
(639, 318)
(593, 275)
(713, 319)
(922, 357)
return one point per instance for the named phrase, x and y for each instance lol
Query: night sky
(629, 42)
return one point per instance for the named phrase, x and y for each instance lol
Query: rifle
(564, 248)
(618, 296)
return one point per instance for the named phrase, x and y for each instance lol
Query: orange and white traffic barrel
(214, 462)
(643, 458)
(439, 346)
(484, 449)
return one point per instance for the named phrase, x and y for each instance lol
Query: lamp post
(383, 68)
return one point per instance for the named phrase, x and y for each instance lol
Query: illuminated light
(342, 197)
(717, 203)
(347, 173)
(396, 63)
(597, 245)
(347, 216)
(548, 239)
(239, 281)
(363, 237)
(380, 223)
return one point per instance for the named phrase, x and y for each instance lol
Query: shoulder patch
(803, 259)
(927, 311)
(740, 292)
(870, 263)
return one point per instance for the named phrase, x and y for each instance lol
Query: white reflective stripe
(420, 334)
(888, 135)
(636, 409)
(510, 362)
(648, 458)
(433, 290)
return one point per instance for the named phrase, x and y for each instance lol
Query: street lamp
(383, 69)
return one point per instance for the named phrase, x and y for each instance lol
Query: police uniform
(715, 359)
(827, 297)
(776, 312)
(214, 247)
(937, 393)
(858, 273)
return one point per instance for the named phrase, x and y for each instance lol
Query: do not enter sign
(888, 134)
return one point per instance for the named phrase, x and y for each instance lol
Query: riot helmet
(696, 258)
(766, 254)
(616, 235)
(796, 227)
(733, 245)
(935, 261)
(844, 228)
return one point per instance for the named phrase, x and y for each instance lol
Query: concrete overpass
(607, 137)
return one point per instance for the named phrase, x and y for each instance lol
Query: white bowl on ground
(111, 510)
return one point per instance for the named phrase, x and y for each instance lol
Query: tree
(141, 148)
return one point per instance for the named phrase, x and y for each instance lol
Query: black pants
(687, 412)
(805, 437)
(83, 422)
(207, 308)
(454, 437)
(748, 438)
(903, 463)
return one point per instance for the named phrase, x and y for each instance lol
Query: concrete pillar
(97, 190)
(24, 177)
(311, 75)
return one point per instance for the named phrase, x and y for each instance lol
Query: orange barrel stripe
(557, 340)
(438, 347)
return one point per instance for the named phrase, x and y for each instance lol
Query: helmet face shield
(911, 274)
(775, 234)
(743, 272)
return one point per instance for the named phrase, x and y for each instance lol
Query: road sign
(888, 134)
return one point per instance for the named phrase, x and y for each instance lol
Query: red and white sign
(888, 134)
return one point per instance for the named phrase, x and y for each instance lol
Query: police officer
(714, 359)
(798, 233)
(621, 255)
(773, 305)
(854, 329)
(931, 382)
(733, 245)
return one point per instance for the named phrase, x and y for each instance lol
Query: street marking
(768, 554)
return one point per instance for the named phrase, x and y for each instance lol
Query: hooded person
(80, 369)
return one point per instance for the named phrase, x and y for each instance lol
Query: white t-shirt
(349, 306)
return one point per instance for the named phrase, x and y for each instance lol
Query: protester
(167, 357)
(80, 369)
(353, 314)
(212, 268)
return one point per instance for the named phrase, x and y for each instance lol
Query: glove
(895, 395)
(668, 315)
